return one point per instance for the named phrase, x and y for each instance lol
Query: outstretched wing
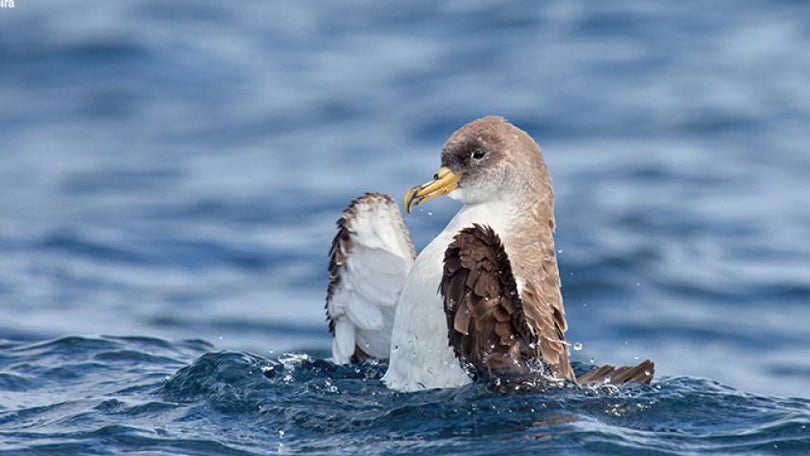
(497, 331)
(370, 257)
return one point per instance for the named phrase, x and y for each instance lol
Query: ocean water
(170, 174)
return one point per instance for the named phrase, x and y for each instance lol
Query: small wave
(113, 394)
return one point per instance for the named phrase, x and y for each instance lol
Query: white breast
(421, 357)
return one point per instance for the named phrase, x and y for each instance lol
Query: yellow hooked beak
(444, 182)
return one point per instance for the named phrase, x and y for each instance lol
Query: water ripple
(175, 170)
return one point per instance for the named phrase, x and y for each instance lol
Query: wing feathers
(461, 322)
(500, 334)
(370, 257)
(343, 343)
(546, 321)
(496, 330)
(642, 373)
(487, 327)
(492, 328)
(363, 312)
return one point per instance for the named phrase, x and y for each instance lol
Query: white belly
(421, 357)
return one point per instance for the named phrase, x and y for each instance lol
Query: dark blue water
(170, 173)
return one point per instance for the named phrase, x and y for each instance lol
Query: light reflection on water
(175, 170)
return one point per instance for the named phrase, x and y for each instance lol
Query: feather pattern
(483, 299)
(495, 333)
(370, 257)
(642, 373)
(504, 335)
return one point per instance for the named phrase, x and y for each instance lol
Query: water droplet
(646, 372)
(559, 251)
(635, 357)
(577, 346)
(430, 213)
(220, 337)
(592, 360)
(638, 284)
(281, 432)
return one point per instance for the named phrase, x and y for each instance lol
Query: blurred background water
(173, 170)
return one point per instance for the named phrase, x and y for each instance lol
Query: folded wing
(493, 331)
(504, 334)
(370, 258)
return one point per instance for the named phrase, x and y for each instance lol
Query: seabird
(482, 300)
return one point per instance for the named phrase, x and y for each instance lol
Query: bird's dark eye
(479, 154)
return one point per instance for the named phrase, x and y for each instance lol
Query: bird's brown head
(480, 162)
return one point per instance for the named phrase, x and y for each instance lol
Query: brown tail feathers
(643, 373)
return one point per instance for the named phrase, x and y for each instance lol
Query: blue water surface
(170, 174)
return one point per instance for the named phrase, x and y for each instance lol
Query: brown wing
(494, 332)
(544, 313)
(643, 373)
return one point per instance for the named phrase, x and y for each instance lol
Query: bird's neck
(496, 213)
(526, 228)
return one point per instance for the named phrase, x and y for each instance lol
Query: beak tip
(408, 201)
(444, 182)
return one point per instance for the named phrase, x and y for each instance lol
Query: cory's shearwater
(483, 299)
